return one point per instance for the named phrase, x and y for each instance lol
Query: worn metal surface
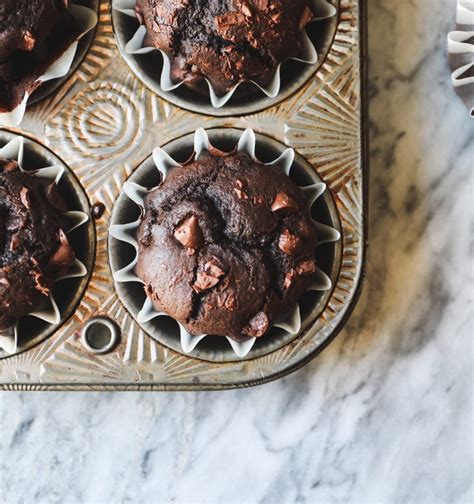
(103, 122)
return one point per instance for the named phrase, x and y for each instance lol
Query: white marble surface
(384, 415)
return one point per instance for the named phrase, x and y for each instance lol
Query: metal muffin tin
(103, 123)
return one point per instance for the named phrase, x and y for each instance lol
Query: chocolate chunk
(8, 165)
(64, 254)
(41, 283)
(208, 278)
(306, 17)
(188, 233)
(289, 243)
(24, 198)
(15, 242)
(259, 199)
(97, 210)
(284, 203)
(238, 189)
(204, 282)
(290, 278)
(213, 268)
(28, 41)
(257, 326)
(260, 4)
(307, 267)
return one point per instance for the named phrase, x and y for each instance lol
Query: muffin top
(33, 34)
(226, 41)
(226, 245)
(34, 249)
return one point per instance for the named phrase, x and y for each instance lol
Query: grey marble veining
(384, 415)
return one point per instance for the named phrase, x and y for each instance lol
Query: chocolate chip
(238, 189)
(290, 278)
(230, 302)
(260, 4)
(41, 283)
(288, 242)
(225, 21)
(24, 197)
(306, 267)
(306, 17)
(284, 203)
(208, 278)
(257, 326)
(64, 255)
(28, 41)
(7, 165)
(212, 268)
(204, 282)
(15, 242)
(97, 210)
(188, 233)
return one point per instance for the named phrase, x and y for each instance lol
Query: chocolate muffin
(226, 245)
(226, 41)
(33, 34)
(34, 249)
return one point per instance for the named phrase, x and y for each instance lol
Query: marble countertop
(384, 415)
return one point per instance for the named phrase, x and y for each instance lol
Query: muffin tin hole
(294, 74)
(100, 335)
(164, 329)
(67, 293)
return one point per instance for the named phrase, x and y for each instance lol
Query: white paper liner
(127, 233)
(135, 47)
(50, 312)
(461, 54)
(465, 12)
(87, 19)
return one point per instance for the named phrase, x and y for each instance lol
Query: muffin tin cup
(122, 242)
(19, 336)
(461, 54)
(130, 38)
(87, 20)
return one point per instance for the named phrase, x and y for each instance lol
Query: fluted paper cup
(49, 312)
(461, 53)
(135, 46)
(127, 234)
(86, 19)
